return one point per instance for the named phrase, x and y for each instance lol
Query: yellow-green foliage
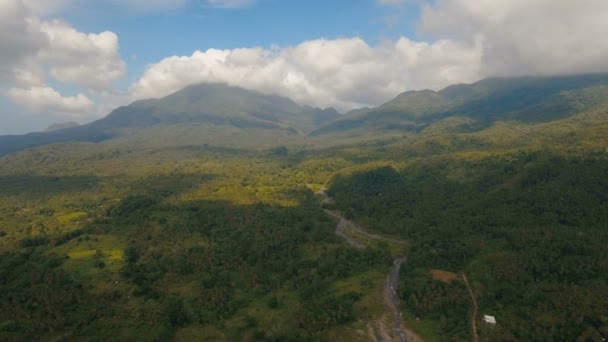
(71, 217)
(85, 251)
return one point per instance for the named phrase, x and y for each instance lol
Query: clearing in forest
(444, 276)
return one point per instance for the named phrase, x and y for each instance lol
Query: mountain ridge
(487, 100)
(212, 104)
(207, 112)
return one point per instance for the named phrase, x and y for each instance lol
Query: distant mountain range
(204, 112)
(525, 99)
(216, 106)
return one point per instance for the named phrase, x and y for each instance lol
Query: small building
(489, 319)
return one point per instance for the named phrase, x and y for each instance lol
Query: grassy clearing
(444, 276)
(426, 329)
(71, 217)
(370, 306)
(95, 259)
(261, 315)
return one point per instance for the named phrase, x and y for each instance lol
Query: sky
(74, 60)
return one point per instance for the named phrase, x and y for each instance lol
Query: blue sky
(74, 60)
(148, 36)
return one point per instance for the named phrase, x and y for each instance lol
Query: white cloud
(522, 37)
(90, 60)
(31, 45)
(473, 39)
(344, 73)
(20, 36)
(34, 50)
(48, 100)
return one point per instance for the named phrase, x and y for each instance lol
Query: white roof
(489, 319)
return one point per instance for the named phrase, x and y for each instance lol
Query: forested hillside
(213, 214)
(530, 229)
(528, 99)
(176, 249)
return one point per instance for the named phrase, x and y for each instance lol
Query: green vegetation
(530, 229)
(160, 250)
(527, 99)
(192, 217)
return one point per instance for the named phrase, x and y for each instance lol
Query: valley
(353, 234)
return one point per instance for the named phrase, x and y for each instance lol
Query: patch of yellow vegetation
(66, 218)
(114, 255)
(86, 253)
(444, 276)
(81, 254)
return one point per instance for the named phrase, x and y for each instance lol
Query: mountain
(216, 104)
(195, 111)
(524, 99)
(230, 116)
(60, 126)
(85, 133)
(320, 116)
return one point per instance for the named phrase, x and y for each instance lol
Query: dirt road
(475, 309)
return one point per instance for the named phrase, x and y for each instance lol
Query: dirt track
(475, 309)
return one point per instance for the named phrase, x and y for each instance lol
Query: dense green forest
(530, 229)
(188, 251)
(178, 253)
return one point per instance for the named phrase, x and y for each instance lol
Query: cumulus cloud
(49, 100)
(344, 73)
(91, 60)
(36, 50)
(522, 37)
(469, 40)
(20, 36)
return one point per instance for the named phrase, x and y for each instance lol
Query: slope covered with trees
(530, 229)
(194, 217)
